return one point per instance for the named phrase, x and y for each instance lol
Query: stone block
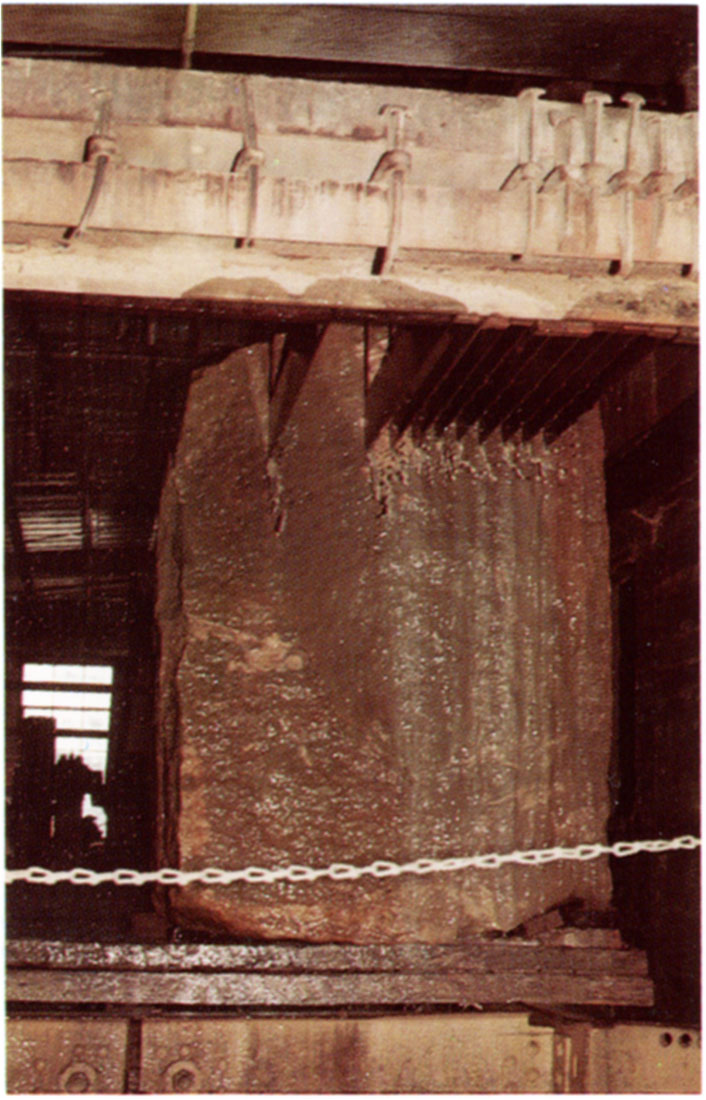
(378, 655)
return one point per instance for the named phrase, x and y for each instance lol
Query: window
(72, 695)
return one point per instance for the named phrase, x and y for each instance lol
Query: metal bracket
(688, 190)
(528, 173)
(627, 181)
(391, 169)
(595, 173)
(567, 174)
(659, 184)
(249, 159)
(100, 148)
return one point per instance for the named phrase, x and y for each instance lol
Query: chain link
(340, 872)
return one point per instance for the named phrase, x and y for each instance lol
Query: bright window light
(92, 750)
(89, 810)
(67, 674)
(94, 753)
(85, 720)
(79, 711)
(75, 700)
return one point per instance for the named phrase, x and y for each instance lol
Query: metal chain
(381, 868)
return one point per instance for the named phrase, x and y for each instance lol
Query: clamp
(528, 173)
(391, 169)
(629, 181)
(567, 174)
(100, 149)
(249, 159)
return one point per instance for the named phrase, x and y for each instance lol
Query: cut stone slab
(386, 655)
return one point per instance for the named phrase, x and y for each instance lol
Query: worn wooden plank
(142, 26)
(574, 42)
(480, 956)
(74, 987)
(662, 456)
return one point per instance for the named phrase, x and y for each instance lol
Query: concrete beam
(211, 269)
(327, 212)
(176, 137)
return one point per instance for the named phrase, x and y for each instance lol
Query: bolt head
(633, 99)
(597, 97)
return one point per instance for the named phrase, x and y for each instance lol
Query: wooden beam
(306, 990)
(512, 383)
(542, 400)
(574, 42)
(478, 956)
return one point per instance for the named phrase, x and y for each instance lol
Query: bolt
(104, 101)
(183, 1080)
(635, 102)
(659, 181)
(77, 1082)
(594, 104)
(627, 181)
(531, 96)
(394, 116)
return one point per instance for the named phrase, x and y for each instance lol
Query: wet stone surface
(391, 654)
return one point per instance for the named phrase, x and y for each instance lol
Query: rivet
(183, 1076)
(77, 1082)
(78, 1077)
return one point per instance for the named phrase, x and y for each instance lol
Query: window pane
(77, 700)
(67, 674)
(66, 719)
(92, 750)
(89, 810)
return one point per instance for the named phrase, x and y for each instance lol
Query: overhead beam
(575, 42)
(177, 136)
